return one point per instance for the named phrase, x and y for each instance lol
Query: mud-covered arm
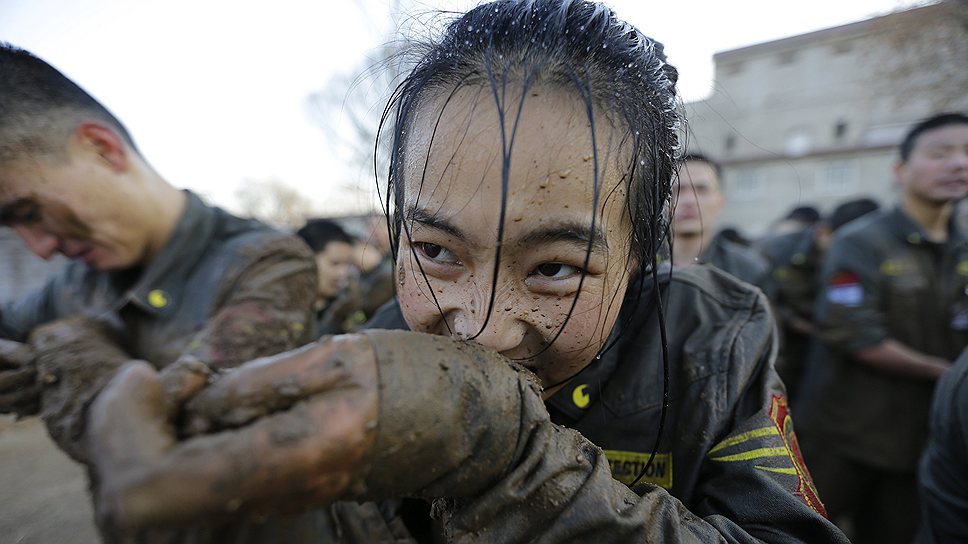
(850, 317)
(265, 307)
(432, 417)
(75, 358)
(752, 487)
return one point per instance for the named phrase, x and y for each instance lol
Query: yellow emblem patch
(158, 298)
(963, 268)
(627, 465)
(580, 397)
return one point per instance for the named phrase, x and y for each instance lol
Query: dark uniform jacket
(795, 263)
(943, 475)
(727, 467)
(884, 279)
(223, 289)
(739, 261)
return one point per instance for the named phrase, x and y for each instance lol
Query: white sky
(214, 91)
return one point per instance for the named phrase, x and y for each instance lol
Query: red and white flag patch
(845, 289)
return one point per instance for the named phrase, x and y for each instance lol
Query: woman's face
(451, 206)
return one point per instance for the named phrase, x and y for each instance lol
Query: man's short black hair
(699, 157)
(40, 107)
(318, 233)
(808, 215)
(850, 210)
(931, 123)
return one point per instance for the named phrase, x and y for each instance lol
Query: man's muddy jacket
(223, 290)
(590, 464)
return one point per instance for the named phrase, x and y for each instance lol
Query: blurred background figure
(334, 250)
(893, 315)
(796, 220)
(944, 465)
(795, 259)
(698, 200)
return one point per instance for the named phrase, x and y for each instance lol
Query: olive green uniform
(739, 261)
(882, 279)
(795, 270)
(223, 290)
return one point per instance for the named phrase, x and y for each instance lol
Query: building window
(836, 178)
(840, 131)
(744, 184)
(730, 143)
(786, 57)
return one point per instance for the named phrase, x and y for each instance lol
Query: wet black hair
(40, 107)
(507, 47)
(319, 233)
(931, 123)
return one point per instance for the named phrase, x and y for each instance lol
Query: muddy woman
(552, 382)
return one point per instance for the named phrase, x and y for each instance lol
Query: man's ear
(105, 142)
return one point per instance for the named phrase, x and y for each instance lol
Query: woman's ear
(105, 142)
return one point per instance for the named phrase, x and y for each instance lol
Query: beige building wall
(816, 118)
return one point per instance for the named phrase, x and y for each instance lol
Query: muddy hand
(300, 453)
(19, 390)
(272, 384)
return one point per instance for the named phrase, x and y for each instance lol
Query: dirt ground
(43, 494)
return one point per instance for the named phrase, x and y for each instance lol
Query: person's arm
(265, 308)
(850, 318)
(894, 357)
(395, 413)
(19, 389)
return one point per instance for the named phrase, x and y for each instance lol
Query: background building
(816, 118)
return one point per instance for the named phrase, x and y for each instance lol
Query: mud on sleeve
(266, 309)
(76, 358)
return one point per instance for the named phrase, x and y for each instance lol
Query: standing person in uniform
(533, 154)
(944, 464)
(334, 250)
(893, 316)
(155, 274)
(795, 260)
(698, 199)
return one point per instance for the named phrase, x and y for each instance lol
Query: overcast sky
(215, 91)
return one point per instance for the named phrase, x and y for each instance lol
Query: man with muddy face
(154, 273)
(554, 385)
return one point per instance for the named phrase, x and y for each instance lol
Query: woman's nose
(501, 330)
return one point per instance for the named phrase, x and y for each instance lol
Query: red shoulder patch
(780, 415)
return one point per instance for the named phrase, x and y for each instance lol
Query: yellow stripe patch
(787, 470)
(758, 453)
(743, 437)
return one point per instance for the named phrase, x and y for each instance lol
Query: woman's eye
(437, 252)
(556, 270)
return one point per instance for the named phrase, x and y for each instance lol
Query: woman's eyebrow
(574, 233)
(427, 219)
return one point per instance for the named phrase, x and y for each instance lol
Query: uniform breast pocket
(906, 296)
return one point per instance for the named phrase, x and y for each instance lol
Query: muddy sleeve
(847, 311)
(266, 307)
(75, 359)
(557, 486)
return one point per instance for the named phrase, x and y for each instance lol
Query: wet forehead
(549, 146)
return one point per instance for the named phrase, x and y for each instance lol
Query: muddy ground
(43, 494)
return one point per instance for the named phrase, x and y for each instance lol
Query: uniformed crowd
(872, 306)
(195, 362)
